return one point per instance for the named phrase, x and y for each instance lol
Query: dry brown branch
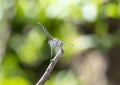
(50, 68)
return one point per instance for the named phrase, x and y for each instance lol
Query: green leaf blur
(80, 24)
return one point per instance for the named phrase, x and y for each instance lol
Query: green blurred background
(92, 26)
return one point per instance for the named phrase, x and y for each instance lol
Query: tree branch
(50, 68)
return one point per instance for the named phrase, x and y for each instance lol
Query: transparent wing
(69, 44)
(55, 45)
(51, 43)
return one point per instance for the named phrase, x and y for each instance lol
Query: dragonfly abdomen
(45, 31)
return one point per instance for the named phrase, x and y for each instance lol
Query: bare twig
(50, 68)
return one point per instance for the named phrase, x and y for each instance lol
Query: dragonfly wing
(69, 44)
(55, 45)
(56, 49)
(50, 42)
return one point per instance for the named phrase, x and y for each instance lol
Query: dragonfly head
(57, 42)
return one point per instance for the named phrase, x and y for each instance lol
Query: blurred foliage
(24, 52)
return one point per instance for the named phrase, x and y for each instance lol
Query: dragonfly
(55, 44)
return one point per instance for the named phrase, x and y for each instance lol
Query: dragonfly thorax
(55, 45)
(57, 42)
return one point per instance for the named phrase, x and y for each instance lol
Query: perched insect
(55, 44)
